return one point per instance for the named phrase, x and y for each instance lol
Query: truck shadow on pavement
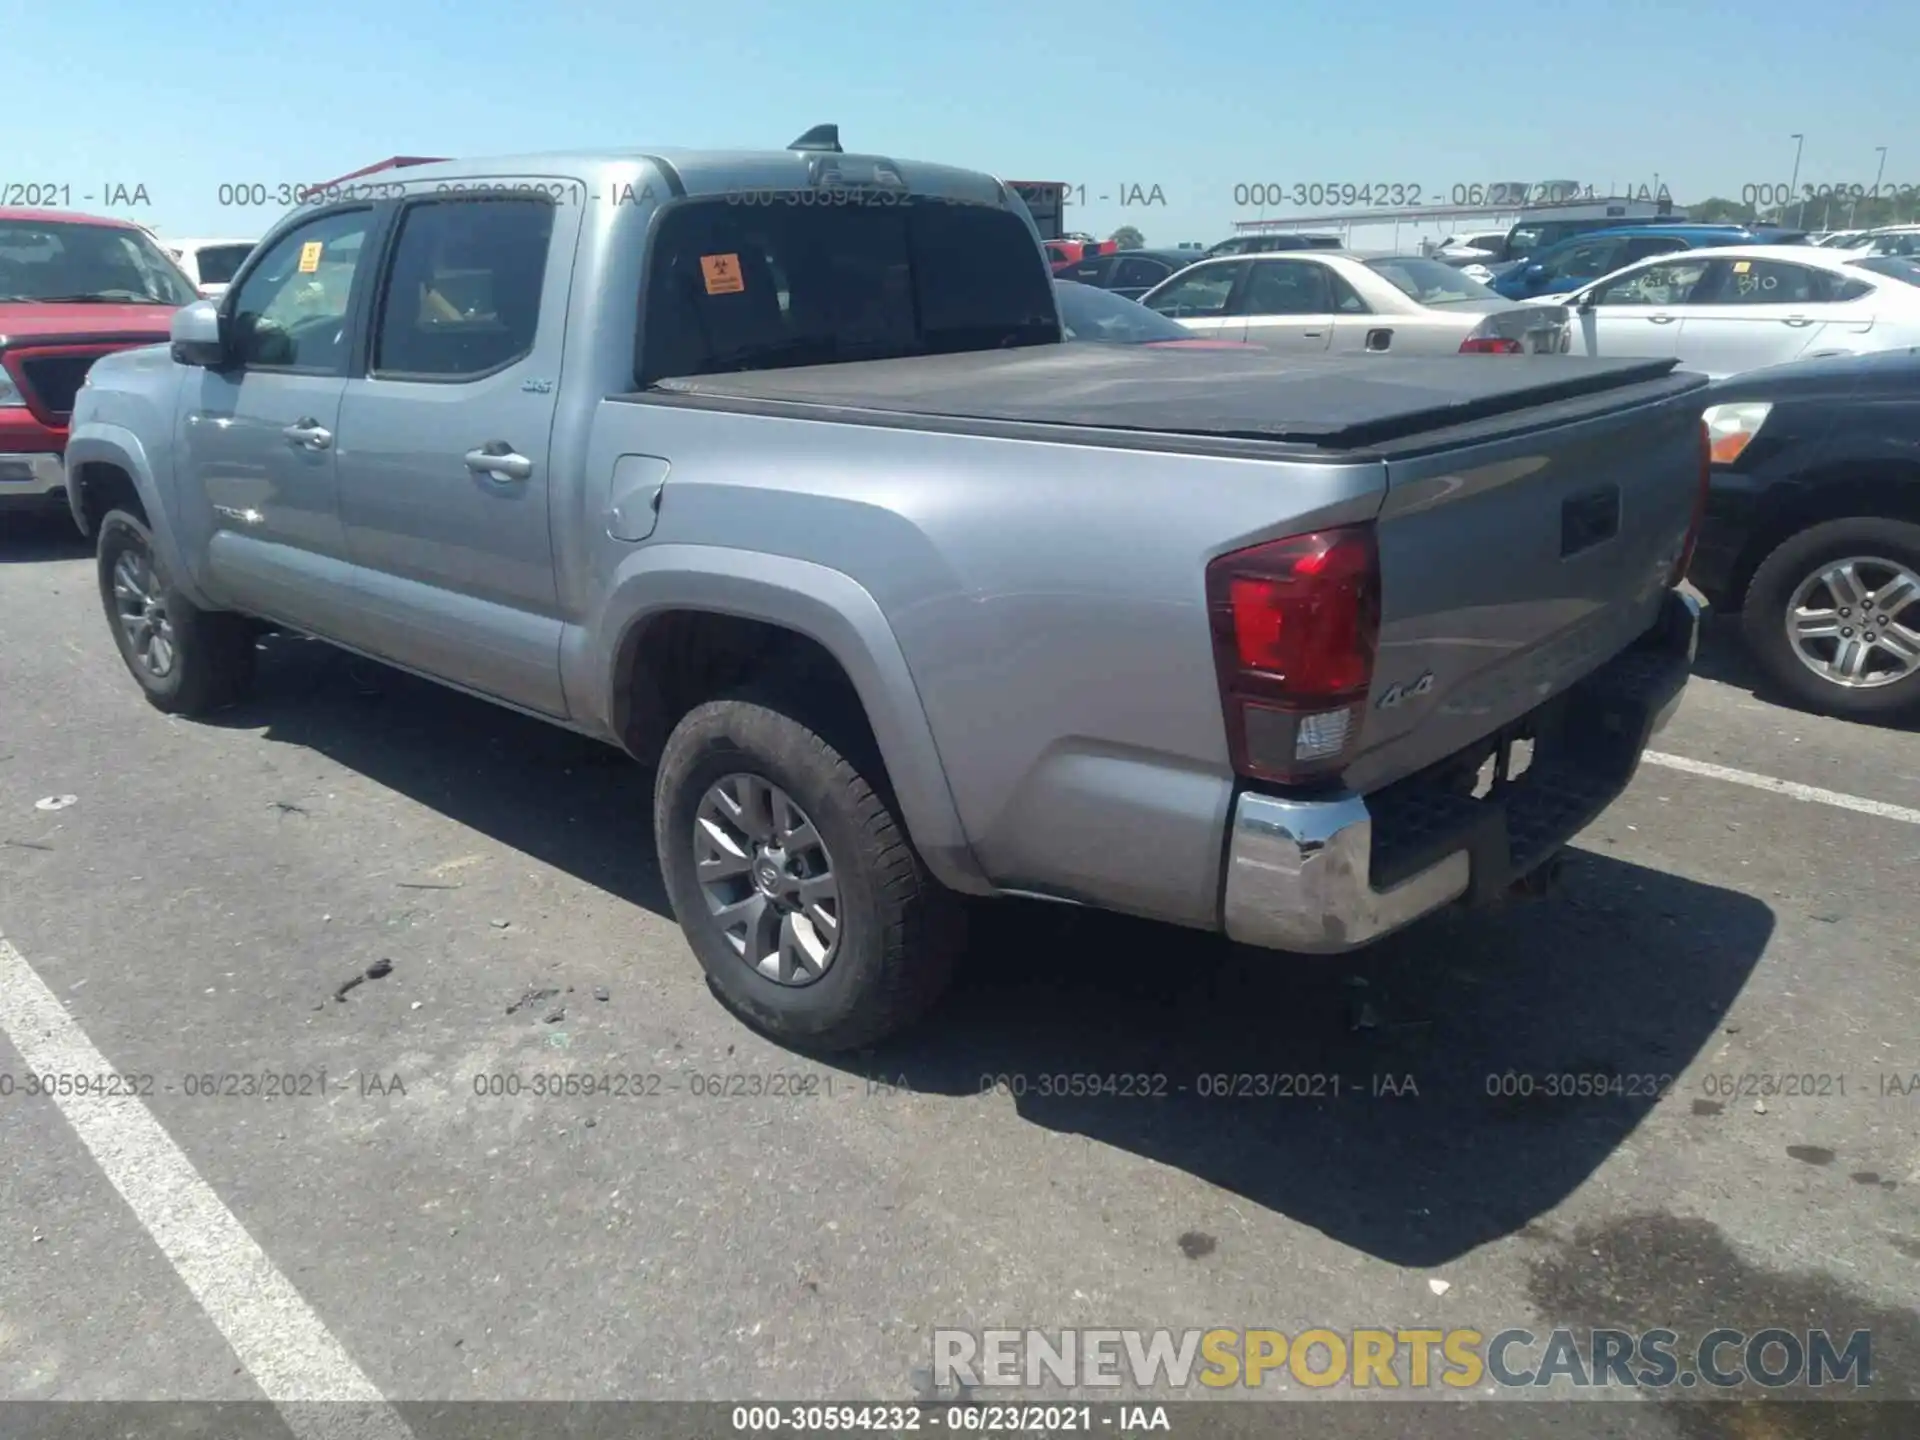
(33, 538)
(1430, 1095)
(1414, 1101)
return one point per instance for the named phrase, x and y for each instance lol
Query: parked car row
(1812, 535)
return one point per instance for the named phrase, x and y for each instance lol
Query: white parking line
(286, 1348)
(1791, 789)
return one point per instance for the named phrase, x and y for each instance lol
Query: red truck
(72, 288)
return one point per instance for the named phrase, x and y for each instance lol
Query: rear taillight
(1295, 626)
(1491, 345)
(1701, 486)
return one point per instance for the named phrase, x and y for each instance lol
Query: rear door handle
(500, 460)
(308, 434)
(1797, 321)
(1662, 319)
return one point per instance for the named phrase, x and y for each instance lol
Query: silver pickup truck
(771, 469)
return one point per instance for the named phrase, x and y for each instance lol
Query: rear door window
(752, 287)
(1768, 282)
(1287, 287)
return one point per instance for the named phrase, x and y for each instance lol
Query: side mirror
(1584, 303)
(195, 333)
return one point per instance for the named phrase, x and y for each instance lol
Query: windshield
(218, 263)
(1431, 282)
(63, 260)
(1090, 314)
(751, 287)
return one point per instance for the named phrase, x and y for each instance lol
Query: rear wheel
(794, 880)
(188, 661)
(1831, 615)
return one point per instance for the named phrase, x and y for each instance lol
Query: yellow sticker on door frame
(1741, 267)
(310, 256)
(722, 274)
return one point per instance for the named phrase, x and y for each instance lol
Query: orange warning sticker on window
(310, 256)
(1741, 267)
(723, 274)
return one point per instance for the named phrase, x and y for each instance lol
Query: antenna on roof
(821, 137)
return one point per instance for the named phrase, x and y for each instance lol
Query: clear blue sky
(184, 95)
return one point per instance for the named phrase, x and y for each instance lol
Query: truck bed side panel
(1050, 601)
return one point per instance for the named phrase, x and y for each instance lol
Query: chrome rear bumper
(1301, 874)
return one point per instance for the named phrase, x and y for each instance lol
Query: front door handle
(1797, 321)
(1661, 319)
(500, 460)
(308, 434)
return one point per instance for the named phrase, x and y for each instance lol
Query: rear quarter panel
(1049, 599)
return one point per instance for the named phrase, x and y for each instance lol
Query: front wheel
(794, 880)
(1831, 616)
(187, 660)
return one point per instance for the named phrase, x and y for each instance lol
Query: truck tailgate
(1513, 565)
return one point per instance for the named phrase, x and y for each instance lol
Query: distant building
(1496, 206)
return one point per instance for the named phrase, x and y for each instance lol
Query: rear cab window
(749, 287)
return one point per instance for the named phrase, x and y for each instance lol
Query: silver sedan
(1337, 303)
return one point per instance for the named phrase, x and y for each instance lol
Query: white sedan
(1331, 302)
(1740, 307)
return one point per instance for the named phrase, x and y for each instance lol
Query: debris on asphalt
(1196, 1243)
(379, 970)
(557, 1016)
(287, 807)
(499, 924)
(1439, 1287)
(415, 1005)
(56, 802)
(1759, 1107)
(27, 845)
(591, 1122)
(532, 998)
(600, 993)
(422, 885)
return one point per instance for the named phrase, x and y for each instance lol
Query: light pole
(1881, 171)
(1793, 185)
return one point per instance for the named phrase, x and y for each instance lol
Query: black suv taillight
(1703, 484)
(1295, 626)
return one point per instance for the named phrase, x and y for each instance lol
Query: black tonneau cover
(1251, 394)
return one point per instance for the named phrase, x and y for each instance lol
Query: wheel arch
(107, 463)
(1889, 492)
(683, 623)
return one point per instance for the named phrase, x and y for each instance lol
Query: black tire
(900, 931)
(1763, 614)
(212, 651)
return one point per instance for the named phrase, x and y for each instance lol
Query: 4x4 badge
(1396, 693)
(537, 387)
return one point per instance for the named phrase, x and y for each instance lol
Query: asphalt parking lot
(403, 1234)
